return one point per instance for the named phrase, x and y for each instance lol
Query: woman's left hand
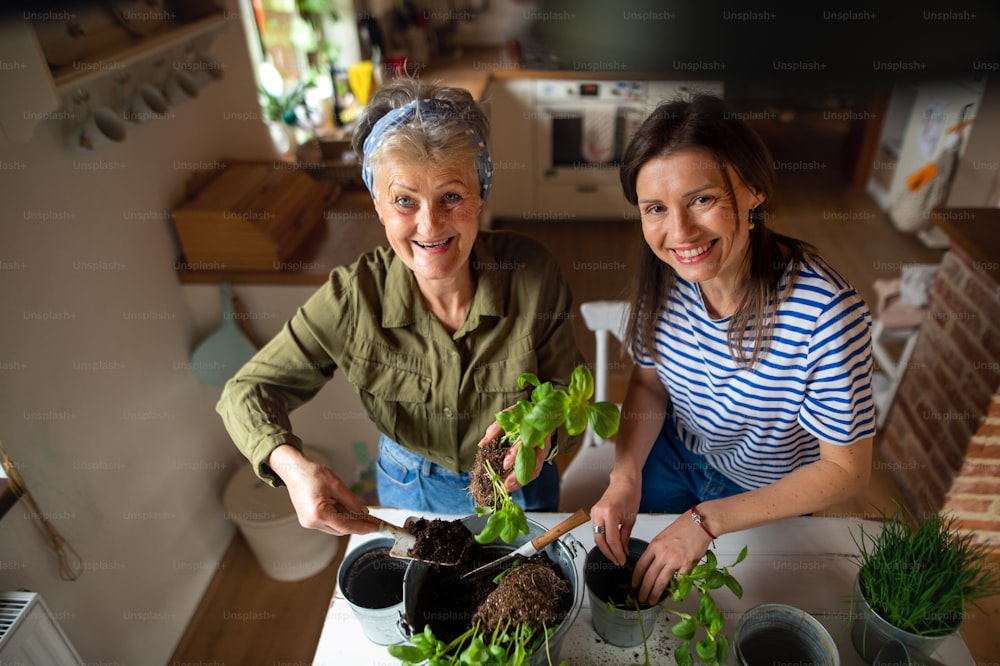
(676, 549)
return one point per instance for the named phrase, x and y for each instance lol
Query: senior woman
(751, 400)
(432, 332)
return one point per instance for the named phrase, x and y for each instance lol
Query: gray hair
(454, 136)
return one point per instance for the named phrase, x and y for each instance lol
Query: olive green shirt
(433, 392)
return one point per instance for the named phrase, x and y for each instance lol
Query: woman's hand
(615, 514)
(321, 500)
(674, 550)
(511, 482)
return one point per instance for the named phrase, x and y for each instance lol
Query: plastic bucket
(561, 554)
(284, 549)
(372, 582)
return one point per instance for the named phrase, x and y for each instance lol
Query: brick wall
(942, 436)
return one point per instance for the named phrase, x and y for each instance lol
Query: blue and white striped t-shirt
(813, 383)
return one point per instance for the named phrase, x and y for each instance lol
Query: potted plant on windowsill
(915, 578)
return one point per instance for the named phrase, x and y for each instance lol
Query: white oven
(558, 143)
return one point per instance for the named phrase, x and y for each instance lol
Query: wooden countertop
(977, 232)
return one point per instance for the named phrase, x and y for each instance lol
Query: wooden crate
(250, 216)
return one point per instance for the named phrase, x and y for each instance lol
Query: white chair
(587, 476)
(896, 325)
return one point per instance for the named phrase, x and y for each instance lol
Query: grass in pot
(915, 578)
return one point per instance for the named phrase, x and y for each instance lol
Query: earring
(751, 226)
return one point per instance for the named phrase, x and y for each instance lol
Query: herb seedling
(506, 646)
(713, 648)
(506, 517)
(531, 421)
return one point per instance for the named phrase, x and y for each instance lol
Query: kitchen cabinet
(103, 77)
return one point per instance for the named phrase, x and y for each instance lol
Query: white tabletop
(806, 562)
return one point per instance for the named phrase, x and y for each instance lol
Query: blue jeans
(674, 478)
(408, 481)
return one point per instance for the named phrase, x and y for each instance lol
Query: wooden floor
(813, 203)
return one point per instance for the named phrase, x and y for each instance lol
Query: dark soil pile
(532, 593)
(441, 541)
(481, 485)
(451, 604)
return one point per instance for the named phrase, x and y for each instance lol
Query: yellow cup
(359, 76)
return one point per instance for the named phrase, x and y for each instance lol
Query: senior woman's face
(430, 213)
(688, 220)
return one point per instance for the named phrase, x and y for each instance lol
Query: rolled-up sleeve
(285, 374)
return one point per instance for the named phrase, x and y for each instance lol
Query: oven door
(584, 144)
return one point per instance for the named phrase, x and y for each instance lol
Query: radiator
(29, 635)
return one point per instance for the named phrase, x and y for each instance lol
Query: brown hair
(704, 122)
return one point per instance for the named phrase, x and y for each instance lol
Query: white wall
(117, 440)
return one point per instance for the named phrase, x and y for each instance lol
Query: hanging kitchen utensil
(541, 541)
(221, 354)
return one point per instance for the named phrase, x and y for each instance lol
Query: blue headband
(426, 108)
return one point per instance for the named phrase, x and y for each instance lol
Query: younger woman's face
(689, 220)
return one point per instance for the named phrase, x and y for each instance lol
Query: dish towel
(598, 132)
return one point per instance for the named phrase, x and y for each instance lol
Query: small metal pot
(781, 634)
(870, 632)
(617, 626)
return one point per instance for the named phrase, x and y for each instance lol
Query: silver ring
(598, 529)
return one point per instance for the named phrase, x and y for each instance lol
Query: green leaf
(491, 530)
(531, 436)
(581, 383)
(721, 649)
(734, 586)
(706, 648)
(683, 589)
(604, 418)
(548, 413)
(576, 418)
(711, 561)
(685, 628)
(527, 378)
(742, 556)
(407, 653)
(682, 655)
(715, 579)
(706, 609)
(524, 464)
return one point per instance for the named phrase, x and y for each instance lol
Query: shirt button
(448, 412)
(449, 459)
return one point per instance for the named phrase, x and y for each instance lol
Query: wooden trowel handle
(542, 540)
